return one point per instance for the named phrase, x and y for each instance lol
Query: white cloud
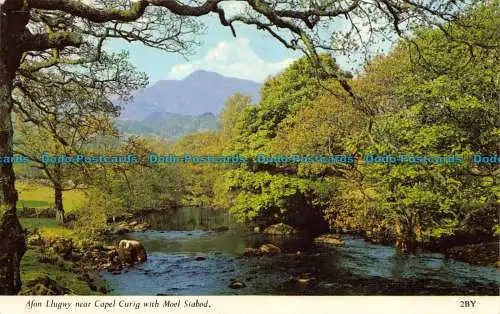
(232, 8)
(234, 58)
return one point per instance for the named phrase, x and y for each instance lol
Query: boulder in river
(131, 252)
(117, 230)
(264, 249)
(305, 278)
(269, 249)
(280, 229)
(330, 239)
(236, 284)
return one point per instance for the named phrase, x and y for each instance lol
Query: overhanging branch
(46, 41)
(90, 13)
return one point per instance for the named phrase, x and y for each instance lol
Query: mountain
(198, 93)
(168, 125)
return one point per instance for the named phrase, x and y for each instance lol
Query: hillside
(168, 125)
(198, 93)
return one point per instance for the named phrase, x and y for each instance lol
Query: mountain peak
(202, 74)
(200, 92)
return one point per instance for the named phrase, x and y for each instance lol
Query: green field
(37, 195)
(48, 227)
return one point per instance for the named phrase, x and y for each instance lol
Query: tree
(233, 108)
(65, 118)
(64, 36)
(445, 102)
(129, 188)
(277, 192)
(36, 142)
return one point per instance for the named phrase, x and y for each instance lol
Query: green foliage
(263, 193)
(199, 179)
(445, 103)
(32, 268)
(281, 193)
(281, 97)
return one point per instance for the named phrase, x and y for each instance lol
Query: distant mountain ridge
(169, 125)
(198, 93)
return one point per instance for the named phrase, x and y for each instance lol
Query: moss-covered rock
(269, 249)
(280, 229)
(330, 239)
(264, 249)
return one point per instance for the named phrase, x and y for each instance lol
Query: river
(186, 258)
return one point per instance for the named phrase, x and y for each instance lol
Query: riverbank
(481, 250)
(53, 263)
(59, 261)
(484, 254)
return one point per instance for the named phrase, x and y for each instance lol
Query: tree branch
(93, 14)
(49, 41)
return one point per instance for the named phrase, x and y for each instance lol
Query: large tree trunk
(59, 206)
(12, 245)
(58, 195)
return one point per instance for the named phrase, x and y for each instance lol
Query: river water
(189, 259)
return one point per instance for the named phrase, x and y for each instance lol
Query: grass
(48, 228)
(32, 268)
(36, 264)
(37, 195)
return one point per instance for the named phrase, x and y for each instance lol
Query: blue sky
(252, 55)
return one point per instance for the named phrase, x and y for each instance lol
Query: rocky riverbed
(236, 262)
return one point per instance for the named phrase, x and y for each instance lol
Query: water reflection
(190, 218)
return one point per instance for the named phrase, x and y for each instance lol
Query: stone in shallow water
(269, 249)
(264, 249)
(131, 251)
(280, 229)
(331, 239)
(236, 284)
(305, 278)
